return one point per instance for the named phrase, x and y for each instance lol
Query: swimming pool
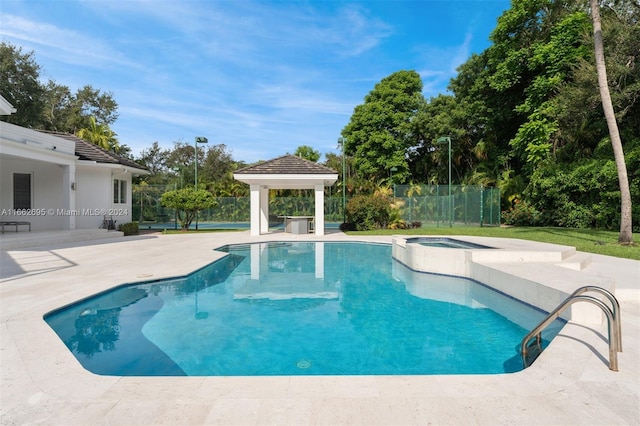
(299, 308)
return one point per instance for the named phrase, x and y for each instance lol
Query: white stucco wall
(94, 195)
(66, 193)
(47, 192)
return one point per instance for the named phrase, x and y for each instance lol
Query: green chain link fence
(428, 204)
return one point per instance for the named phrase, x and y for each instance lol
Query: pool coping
(42, 382)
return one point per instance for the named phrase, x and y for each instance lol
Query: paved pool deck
(42, 383)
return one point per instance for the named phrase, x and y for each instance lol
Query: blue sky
(261, 77)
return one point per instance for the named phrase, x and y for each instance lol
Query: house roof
(91, 152)
(5, 107)
(287, 165)
(287, 172)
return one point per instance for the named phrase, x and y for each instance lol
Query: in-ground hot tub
(444, 242)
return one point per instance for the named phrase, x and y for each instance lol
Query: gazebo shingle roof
(90, 152)
(287, 165)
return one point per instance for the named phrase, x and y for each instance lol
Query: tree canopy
(379, 133)
(87, 113)
(525, 115)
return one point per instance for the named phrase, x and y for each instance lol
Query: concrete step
(577, 262)
(24, 240)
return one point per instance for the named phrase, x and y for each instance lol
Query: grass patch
(587, 240)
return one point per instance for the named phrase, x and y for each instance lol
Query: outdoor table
(297, 224)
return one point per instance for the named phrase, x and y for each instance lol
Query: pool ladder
(531, 349)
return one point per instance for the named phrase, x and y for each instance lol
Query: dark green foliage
(19, 85)
(368, 212)
(347, 226)
(584, 193)
(308, 153)
(380, 131)
(130, 228)
(50, 106)
(187, 202)
(522, 213)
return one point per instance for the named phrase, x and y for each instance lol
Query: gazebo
(286, 172)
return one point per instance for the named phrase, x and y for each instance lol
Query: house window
(22, 191)
(119, 191)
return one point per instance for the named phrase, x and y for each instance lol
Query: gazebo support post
(264, 209)
(255, 210)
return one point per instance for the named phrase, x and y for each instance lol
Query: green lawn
(199, 231)
(587, 240)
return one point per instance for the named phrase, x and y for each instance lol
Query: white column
(255, 209)
(264, 210)
(69, 195)
(319, 209)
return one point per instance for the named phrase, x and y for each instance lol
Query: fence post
(437, 206)
(491, 204)
(481, 204)
(466, 222)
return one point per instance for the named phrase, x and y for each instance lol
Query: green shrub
(347, 226)
(130, 228)
(368, 212)
(521, 214)
(572, 215)
(188, 202)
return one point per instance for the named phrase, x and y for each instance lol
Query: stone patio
(42, 383)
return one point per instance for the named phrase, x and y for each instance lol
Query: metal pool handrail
(613, 323)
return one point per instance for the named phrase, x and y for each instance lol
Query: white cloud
(65, 45)
(259, 76)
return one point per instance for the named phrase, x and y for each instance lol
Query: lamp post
(344, 184)
(177, 169)
(440, 141)
(199, 139)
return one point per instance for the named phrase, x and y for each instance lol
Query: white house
(60, 182)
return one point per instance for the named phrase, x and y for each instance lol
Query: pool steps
(507, 268)
(577, 262)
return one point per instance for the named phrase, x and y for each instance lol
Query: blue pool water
(444, 242)
(300, 308)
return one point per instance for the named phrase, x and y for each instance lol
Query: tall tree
(50, 106)
(99, 134)
(19, 84)
(626, 232)
(67, 112)
(217, 163)
(380, 131)
(154, 159)
(308, 153)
